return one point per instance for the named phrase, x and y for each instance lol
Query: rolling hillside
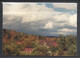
(18, 43)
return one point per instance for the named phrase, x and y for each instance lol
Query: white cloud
(68, 6)
(32, 12)
(66, 31)
(73, 20)
(68, 19)
(49, 25)
(62, 17)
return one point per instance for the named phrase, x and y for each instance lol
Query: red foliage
(55, 44)
(29, 50)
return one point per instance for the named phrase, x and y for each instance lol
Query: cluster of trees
(14, 43)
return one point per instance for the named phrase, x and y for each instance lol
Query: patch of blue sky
(62, 9)
(65, 11)
(50, 5)
(39, 3)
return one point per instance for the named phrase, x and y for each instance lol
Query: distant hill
(52, 36)
(20, 37)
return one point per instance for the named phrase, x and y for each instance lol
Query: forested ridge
(17, 43)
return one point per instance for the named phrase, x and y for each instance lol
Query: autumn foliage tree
(14, 43)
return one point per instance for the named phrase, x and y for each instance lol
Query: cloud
(36, 11)
(66, 18)
(62, 17)
(67, 31)
(67, 6)
(73, 20)
(49, 25)
(37, 19)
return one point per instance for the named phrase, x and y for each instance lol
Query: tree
(40, 51)
(11, 49)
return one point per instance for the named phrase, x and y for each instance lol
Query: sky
(47, 19)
